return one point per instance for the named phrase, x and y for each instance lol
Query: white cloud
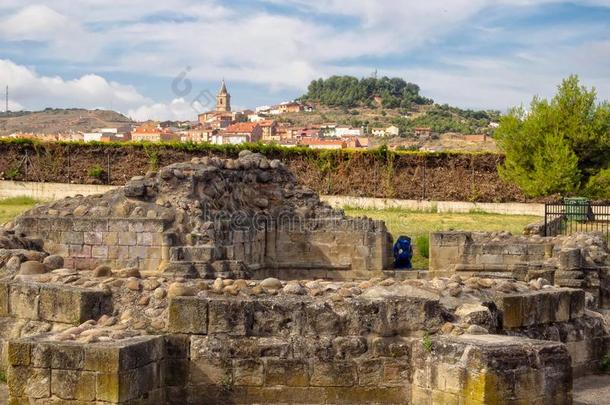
(34, 23)
(249, 44)
(28, 88)
(177, 110)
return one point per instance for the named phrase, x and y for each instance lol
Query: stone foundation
(380, 342)
(577, 261)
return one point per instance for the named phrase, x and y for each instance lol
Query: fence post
(424, 179)
(546, 231)
(26, 160)
(69, 164)
(108, 167)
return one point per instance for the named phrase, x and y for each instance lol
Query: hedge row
(367, 173)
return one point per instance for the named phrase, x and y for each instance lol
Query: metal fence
(569, 217)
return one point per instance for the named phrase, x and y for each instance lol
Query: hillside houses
(223, 126)
(242, 132)
(392, 130)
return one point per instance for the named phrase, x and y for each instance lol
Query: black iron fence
(576, 215)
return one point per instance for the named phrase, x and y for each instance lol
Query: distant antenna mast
(6, 101)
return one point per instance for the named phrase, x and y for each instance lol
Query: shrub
(96, 172)
(422, 243)
(12, 174)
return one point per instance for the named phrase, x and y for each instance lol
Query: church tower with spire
(223, 99)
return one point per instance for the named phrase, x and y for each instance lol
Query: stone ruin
(236, 217)
(156, 293)
(576, 261)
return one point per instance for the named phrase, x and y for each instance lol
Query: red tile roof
(242, 127)
(317, 141)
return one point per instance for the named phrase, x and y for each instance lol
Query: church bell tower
(223, 99)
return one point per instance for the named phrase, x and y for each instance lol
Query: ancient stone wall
(208, 218)
(387, 344)
(579, 261)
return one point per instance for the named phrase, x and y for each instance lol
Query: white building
(92, 137)
(343, 130)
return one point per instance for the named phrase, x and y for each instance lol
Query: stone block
(577, 303)
(93, 238)
(19, 353)
(210, 371)
(67, 356)
(72, 238)
(73, 384)
(90, 225)
(248, 372)
(128, 238)
(286, 372)
(118, 225)
(118, 252)
(79, 251)
(4, 298)
(144, 239)
(541, 307)
(140, 351)
(370, 372)
(137, 252)
(31, 383)
(153, 252)
(110, 238)
(188, 315)
(73, 305)
(396, 373)
(276, 317)
(334, 374)
(24, 300)
(99, 252)
(368, 395)
(490, 369)
(233, 316)
(102, 359)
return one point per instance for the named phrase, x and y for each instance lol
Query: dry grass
(414, 224)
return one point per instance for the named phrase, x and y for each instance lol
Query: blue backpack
(403, 252)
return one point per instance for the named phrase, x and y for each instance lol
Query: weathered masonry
(284, 347)
(577, 261)
(212, 217)
(224, 282)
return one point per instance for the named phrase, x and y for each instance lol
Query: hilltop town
(301, 122)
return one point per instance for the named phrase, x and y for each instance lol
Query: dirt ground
(592, 390)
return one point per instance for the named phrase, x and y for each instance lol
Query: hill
(53, 120)
(372, 102)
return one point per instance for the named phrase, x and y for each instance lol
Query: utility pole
(6, 111)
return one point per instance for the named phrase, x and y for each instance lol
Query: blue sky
(127, 54)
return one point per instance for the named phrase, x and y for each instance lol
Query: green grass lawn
(11, 207)
(417, 224)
